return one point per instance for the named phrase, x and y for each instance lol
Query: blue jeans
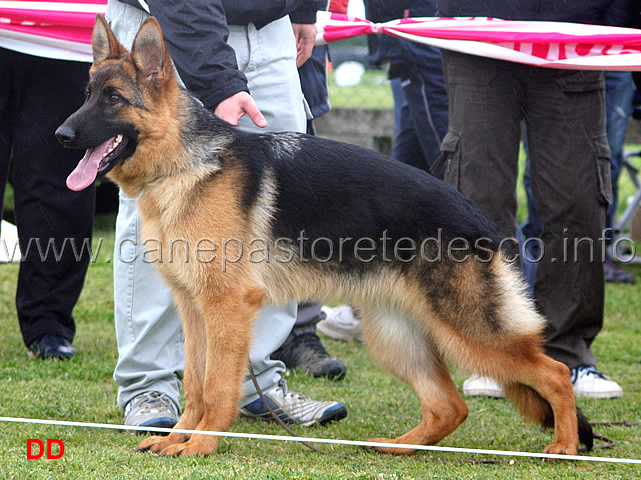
(420, 100)
(619, 90)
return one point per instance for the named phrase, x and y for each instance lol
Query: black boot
(303, 350)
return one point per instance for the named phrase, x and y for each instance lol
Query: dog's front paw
(157, 443)
(194, 446)
(559, 448)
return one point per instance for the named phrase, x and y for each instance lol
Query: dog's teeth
(114, 144)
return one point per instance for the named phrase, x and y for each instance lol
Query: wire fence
(353, 81)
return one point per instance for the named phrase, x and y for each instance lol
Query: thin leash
(283, 424)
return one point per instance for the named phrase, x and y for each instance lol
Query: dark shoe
(52, 346)
(616, 275)
(304, 351)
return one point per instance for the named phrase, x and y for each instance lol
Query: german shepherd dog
(345, 223)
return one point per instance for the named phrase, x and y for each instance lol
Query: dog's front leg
(228, 319)
(195, 346)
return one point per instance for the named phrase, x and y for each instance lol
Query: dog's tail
(534, 407)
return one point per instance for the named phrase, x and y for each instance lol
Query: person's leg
(303, 350)
(407, 148)
(54, 223)
(148, 330)
(142, 325)
(424, 88)
(7, 98)
(482, 144)
(268, 59)
(141, 368)
(481, 150)
(570, 162)
(619, 91)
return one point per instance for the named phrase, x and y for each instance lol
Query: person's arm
(196, 35)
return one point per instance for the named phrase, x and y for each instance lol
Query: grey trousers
(565, 115)
(148, 328)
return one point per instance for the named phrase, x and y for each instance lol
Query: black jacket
(196, 32)
(600, 12)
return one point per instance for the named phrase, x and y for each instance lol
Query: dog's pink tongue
(87, 170)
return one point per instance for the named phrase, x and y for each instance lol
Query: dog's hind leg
(402, 349)
(543, 393)
(499, 336)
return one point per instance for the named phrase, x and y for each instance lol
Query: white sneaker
(151, 409)
(589, 382)
(341, 324)
(293, 407)
(477, 386)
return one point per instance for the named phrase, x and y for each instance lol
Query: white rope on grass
(258, 436)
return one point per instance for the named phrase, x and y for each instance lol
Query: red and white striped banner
(53, 28)
(62, 29)
(543, 44)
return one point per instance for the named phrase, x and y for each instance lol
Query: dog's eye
(113, 98)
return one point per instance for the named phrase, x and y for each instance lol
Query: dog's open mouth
(97, 161)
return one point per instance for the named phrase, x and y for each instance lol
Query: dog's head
(120, 111)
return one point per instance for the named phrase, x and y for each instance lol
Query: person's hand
(305, 34)
(233, 108)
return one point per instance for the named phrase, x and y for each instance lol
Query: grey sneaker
(151, 409)
(294, 407)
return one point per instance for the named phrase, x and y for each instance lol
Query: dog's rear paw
(559, 448)
(392, 450)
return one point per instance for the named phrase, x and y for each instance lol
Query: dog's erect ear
(104, 42)
(149, 52)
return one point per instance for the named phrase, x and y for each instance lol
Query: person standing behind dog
(222, 49)
(418, 86)
(36, 94)
(570, 169)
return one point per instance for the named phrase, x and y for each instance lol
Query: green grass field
(83, 390)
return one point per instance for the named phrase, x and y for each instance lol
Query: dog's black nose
(65, 135)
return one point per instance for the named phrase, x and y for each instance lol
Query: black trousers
(570, 169)
(36, 95)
